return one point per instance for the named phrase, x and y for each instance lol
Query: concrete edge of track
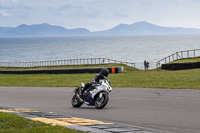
(79, 124)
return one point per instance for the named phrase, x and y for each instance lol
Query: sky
(98, 15)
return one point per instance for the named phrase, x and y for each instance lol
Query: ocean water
(121, 48)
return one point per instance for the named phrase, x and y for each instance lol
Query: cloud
(4, 13)
(197, 1)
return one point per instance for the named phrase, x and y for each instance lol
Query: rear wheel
(101, 101)
(75, 102)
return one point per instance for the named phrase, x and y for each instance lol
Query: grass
(187, 79)
(10, 123)
(187, 60)
(132, 78)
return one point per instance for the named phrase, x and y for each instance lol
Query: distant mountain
(145, 28)
(139, 28)
(41, 30)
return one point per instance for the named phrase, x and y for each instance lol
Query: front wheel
(75, 102)
(101, 101)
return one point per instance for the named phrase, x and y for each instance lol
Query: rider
(102, 75)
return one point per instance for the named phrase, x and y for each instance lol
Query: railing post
(103, 61)
(181, 54)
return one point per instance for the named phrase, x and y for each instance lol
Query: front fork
(100, 95)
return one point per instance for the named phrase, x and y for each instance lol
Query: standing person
(145, 65)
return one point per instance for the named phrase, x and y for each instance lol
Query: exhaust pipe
(79, 98)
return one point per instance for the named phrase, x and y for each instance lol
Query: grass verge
(132, 78)
(10, 123)
(187, 60)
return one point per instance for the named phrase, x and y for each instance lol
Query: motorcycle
(96, 95)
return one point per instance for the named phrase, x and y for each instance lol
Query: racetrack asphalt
(168, 110)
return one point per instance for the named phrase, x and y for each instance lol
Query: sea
(134, 48)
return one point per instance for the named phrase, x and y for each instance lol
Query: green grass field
(10, 123)
(187, 60)
(182, 79)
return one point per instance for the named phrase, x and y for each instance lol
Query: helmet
(104, 72)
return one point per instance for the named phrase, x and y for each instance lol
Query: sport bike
(96, 95)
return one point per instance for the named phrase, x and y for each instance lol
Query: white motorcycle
(97, 95)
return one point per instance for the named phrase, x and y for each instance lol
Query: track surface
(168, 110)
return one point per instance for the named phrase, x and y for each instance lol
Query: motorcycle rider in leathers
(102, 75)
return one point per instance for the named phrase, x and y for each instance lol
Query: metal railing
(65, 62)
(179, 55)
(139, 65)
